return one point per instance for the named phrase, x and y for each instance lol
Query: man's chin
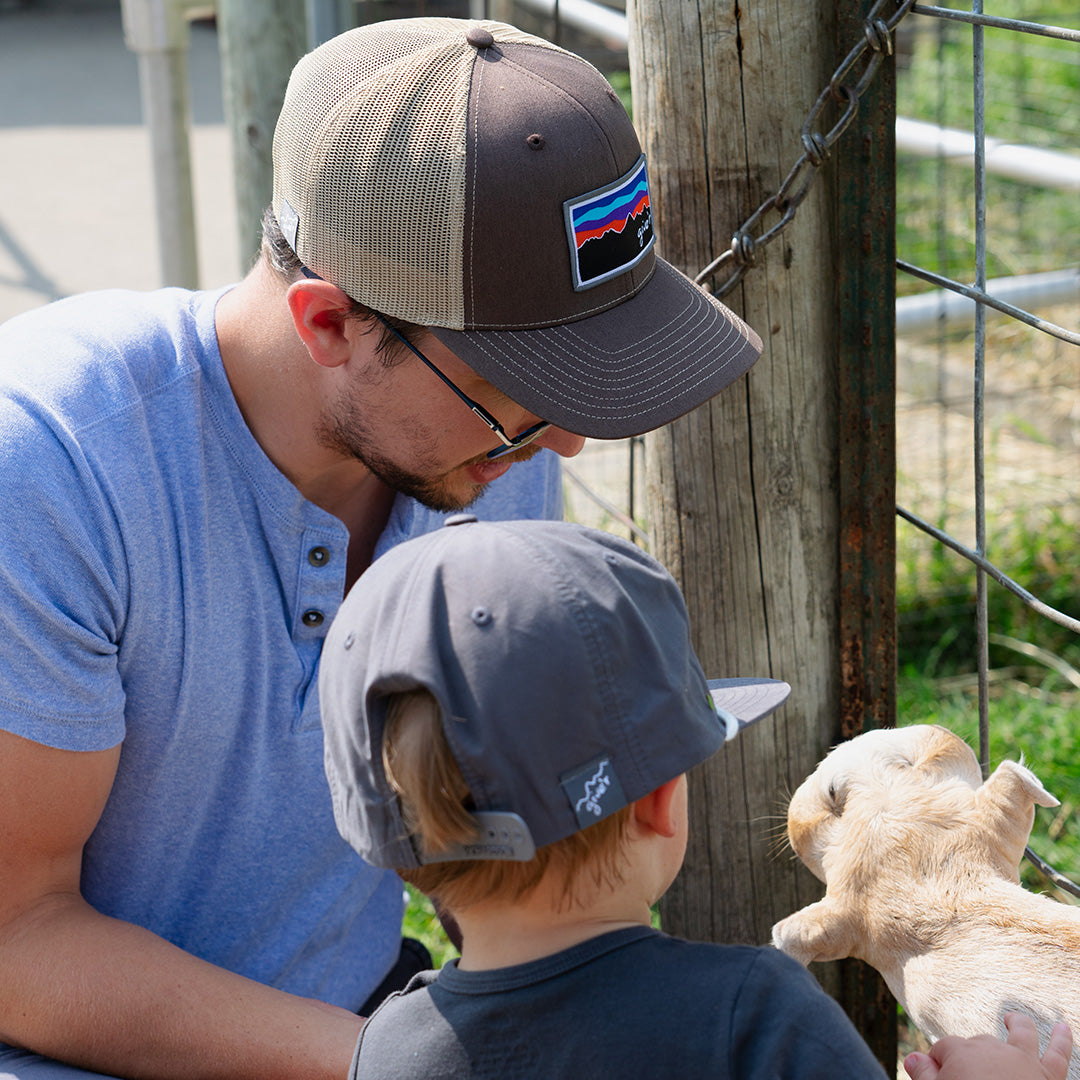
(447, 494)
(455, 490)
(482, 471)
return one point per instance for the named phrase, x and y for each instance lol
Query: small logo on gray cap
(594, 792)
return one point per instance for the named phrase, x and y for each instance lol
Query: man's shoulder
(94, 391)
(99, 316)
(88, 353)
(70, 365)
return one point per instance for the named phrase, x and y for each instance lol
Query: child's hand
(986, 1058)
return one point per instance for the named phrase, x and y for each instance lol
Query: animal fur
(919, 857)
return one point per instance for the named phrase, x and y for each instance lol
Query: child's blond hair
(421, 769)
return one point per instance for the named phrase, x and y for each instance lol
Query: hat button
(479, 38)
(460, 519)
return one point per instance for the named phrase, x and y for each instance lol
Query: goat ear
(944, 753)
(1005, 809)
(818, 932)
(1014, 784)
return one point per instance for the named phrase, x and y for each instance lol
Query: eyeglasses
(508, 444)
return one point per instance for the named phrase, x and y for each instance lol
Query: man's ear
(318, 312)
(656, 811)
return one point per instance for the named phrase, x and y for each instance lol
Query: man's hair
(284, 262)
(435, 804)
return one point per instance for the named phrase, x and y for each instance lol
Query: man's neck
(277, 388)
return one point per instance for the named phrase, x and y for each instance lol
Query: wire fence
(1003, 81)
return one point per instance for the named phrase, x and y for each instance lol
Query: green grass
(1034, 706)
(422, 923)
(935, 603)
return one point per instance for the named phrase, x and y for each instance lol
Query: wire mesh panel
(987, 397)
(1031, 128)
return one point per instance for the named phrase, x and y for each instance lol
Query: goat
(920, 860)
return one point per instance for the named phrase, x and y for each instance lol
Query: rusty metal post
(866, 370)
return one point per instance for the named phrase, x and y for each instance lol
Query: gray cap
(560, 657)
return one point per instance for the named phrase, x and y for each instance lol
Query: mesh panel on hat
(370, 152)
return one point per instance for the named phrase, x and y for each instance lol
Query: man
(458, 276)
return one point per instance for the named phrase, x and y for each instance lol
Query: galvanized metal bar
(991, 570)
(981, 607)
(977, 18)
(157, 32)
(325, 19)
(1027, 164)
(922, 312)
(598, 19)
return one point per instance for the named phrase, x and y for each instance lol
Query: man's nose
(565, 443)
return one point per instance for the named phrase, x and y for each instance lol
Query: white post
(259, 44)
(157, 32)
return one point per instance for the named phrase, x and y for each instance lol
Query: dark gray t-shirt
(632, 1003)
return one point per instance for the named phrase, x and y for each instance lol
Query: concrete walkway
(76, 191)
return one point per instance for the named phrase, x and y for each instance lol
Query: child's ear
(657, 811)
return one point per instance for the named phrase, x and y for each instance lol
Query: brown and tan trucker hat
(483, 182)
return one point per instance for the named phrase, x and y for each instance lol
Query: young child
(509, 711)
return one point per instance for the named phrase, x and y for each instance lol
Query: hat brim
(623, 371)
(747, 701)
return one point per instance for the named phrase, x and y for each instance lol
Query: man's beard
(344, 431)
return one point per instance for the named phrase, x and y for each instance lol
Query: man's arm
(112, 997)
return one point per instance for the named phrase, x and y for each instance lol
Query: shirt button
(312, 618)
(318, 556)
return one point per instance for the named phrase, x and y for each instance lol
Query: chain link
(865, 57)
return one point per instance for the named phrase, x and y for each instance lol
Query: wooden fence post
(260, 44)
(865, 166)
(744, 493)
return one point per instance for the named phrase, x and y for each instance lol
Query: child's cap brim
(742, 702)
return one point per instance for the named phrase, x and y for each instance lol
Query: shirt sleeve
(61, 587)
(784, 1024)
